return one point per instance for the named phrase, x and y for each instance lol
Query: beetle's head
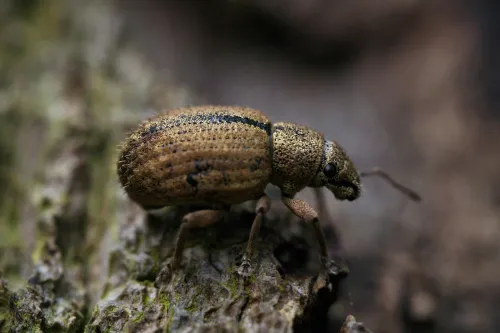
(338, 173)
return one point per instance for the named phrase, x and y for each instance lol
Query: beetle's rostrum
(225, 155)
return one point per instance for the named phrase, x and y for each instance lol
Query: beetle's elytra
(222, 155)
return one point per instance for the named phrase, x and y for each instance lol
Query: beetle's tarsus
(262, 207)
(245, 268)
(164, 275)
(336, 268)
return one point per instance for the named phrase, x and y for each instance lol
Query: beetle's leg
(200, 218)
(150, 208)
(322, 211)
(263, 206)
(308, 214)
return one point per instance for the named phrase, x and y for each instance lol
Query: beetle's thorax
(297, 154)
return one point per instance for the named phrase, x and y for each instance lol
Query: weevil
(225, 155)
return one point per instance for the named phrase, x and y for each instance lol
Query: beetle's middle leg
(262, 207)
(200, 218)
(303, 210)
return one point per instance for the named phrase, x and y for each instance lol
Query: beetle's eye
(330, 170)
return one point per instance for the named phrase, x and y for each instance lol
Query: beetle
(226, 155)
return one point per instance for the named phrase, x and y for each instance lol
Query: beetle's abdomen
(205, 154)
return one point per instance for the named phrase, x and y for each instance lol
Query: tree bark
(76, 255)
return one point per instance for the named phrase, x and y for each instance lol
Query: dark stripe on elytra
(256, 165)
(204, 119)
(200, 166)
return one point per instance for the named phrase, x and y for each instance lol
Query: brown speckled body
(227, 155)
(204, 154)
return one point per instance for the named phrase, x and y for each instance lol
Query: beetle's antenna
(397, 185)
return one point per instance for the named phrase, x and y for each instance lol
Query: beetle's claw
(336, 268)
(245, 268)
(164, 275)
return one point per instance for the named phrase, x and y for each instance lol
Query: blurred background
(410, 86)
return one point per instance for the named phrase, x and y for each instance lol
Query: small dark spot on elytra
(201, 165)
(191, 181)
(256, 165)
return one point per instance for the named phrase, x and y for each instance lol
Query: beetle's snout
(345, 190)
(347, 186)
(355, 192)
(354, 185)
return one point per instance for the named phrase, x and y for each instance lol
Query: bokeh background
(410, 86)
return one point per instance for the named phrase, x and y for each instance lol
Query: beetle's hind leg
(200, 218)
(263, 206)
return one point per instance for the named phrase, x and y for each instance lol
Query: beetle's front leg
(201, 218)
(263, 206)
(303, 210)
